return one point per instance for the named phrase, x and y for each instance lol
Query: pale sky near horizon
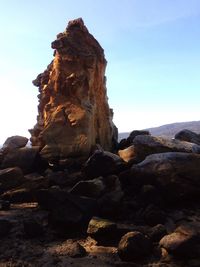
(152, 48)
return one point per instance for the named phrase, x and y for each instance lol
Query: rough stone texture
(134, 245)
(102, 163)
(26, 158)
(126, 142)
(90, 188)
(189, 136)
(10, 178)
(128, 153)
(102, 230)
(176, 174)
(145, 145)
(15, 142)
(73, 111)
(67, 213)
(184, 242)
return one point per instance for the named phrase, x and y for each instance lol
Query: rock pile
(146, 208)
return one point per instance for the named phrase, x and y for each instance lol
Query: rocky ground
(138, 206)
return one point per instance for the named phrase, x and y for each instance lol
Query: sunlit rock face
(73, 110)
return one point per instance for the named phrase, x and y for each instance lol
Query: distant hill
(169, 130)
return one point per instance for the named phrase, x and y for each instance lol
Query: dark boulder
(183, 242)
(67, 213)
(14, 142)
(157, 232)
(175, 174)
(90, 188)
(126, 142)
(20, 195)
(103, 163)
(102, 230)
(26, 158)
(145, 145)
(152, 215)
(189, 136)
(10, 178)
(134, 246)
(110, 200)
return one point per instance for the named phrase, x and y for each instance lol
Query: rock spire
(73, 110)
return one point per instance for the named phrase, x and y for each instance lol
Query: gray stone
(189, 136)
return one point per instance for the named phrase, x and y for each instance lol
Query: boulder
(20, 195)
(73, 111)
(90, 188)
(134, 246)
(144, 145)
(128, 153)
(157, 232)
(67, 213)
(189, 136)
(10, 178)
(126, 142)
(102, 230)
(14, 142)
(183, 242)
(25, 158)
(152, 215)
(175, 174)
(102, 163)
(111, 198)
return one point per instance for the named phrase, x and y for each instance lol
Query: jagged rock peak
(73, 110)
(79, 23)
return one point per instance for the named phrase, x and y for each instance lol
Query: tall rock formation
(73, 110)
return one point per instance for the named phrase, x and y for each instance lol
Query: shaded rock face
(189, 136)
(73, 111)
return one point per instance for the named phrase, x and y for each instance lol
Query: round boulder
(134, 246)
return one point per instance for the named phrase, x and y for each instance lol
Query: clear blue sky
(152, 48)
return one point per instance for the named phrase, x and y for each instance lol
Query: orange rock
(74, 114)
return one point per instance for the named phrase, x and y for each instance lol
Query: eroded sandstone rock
(73, 110)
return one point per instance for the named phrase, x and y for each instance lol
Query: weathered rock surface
(102, 230)
(15, 142)
(128, 153)
(134, 246)
(189, 136)
(10, 178)
(67, 213)
(26, 158)
(102, 163)
(176, 174)
(73, 111)
(145, 145)
(90, 188)
(126, 142)
(182, 242)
